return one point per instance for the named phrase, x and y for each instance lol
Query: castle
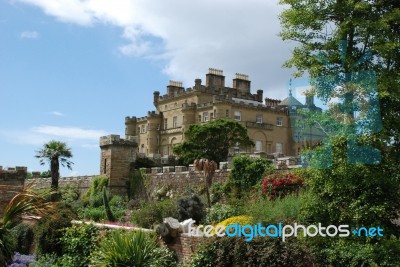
(267, 122)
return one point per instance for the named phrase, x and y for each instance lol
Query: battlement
(130, 119)
(18, 173)
(114, 139)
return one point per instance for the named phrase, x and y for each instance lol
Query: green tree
(368, 32)
(212, 140)
(55, 152)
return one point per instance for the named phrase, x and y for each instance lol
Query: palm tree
(208, 167)
(23, 202)
(55, 152)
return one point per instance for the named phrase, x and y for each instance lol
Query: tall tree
(368, 34)
(212, 140)
(55, 152)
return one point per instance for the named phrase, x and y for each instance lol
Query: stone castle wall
(82, 182)
(11, 182)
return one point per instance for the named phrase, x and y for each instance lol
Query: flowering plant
(281, 184)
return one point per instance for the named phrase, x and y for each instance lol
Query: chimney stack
(215, 78)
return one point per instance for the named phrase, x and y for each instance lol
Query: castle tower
(116, 160)
(153, 133)
(130, 127)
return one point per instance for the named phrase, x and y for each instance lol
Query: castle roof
(290, 101)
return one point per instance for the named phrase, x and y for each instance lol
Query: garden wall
(179, 178)
(82, 182)
(11, 182)
(185, 246)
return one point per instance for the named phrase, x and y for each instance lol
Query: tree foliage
(212, 140)
(368, 35)
(55, 152)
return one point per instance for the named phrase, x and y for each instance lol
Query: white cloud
(42, 134)
(72, 133)
(56, 113)
(29, 35)
(233, 35)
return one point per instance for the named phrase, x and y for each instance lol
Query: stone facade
(11, 183)
(267, 122)
(117, 157)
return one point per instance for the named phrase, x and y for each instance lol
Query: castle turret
(174, 88)
(156, 96)
(130, 127)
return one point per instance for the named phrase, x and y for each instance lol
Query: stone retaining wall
(82, 182)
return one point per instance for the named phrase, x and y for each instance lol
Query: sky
(72, 70)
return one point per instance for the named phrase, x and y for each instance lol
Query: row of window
(209, 116)
(258, 148)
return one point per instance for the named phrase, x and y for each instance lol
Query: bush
(154, 212)
(78, 241)
(261, 251)
(48, 231)
(247, 172)
(164, 257)
(220, 212)
(190, 207)
(279, 185)
(125, 249)
(285, 210)
(23, 234)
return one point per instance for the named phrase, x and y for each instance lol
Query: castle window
(279, 121)
(199, 118)
(175, 122)
(211, 116)
(165, 124)
(205, 116)
(227, 113)
(258, 146)
(105, 166)
(278, 148)
(238, 115)
(142, 148)
(259, 118)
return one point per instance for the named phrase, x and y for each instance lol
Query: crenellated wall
(11, 182)
(82, 182)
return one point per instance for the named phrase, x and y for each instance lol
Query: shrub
(247, 172)
(154, 212)
(125, 249)
(164, 257)
(220, 212)
(280, 185)
(47, 231)
(261, 251)
(190, 207)
(241, 220)
(285, 210)
(94, 196)
(23, 234)
(78, 241)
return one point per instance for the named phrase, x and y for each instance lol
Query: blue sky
(72, 70)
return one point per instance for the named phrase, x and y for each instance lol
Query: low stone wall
(11, 182)
(185, 246)
(82, 182)
(179, 178)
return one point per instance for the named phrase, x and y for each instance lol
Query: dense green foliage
(220, 212)
(235, 251)
(247, 172)
(23, 234)
(78, 242)
(212, 140)
(134, 249)
(48, 231)
(154, 212)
